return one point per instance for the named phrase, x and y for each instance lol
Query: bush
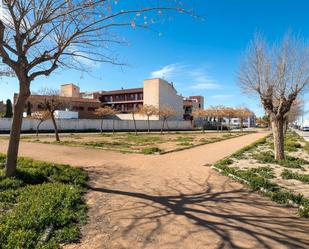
(151, 150)
(288, 162)
(42, 196)
(287, 174)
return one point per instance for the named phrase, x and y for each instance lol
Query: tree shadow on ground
(214, 212)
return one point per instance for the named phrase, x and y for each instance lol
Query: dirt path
(173, 201)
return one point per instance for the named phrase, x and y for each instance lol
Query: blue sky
(201, 57)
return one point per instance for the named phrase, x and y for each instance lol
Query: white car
(306, 128)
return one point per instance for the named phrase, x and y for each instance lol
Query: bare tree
(242, 113)
(148, 111)
(229, 113)
(41, 116)
(102, 112)
(295, 112)
(38, 36)
(51, 103)
(278, 74)
(166, 112)
(134, 111)
(201, 114)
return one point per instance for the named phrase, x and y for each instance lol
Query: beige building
(155, 92)
(70, 90)
(160, 93)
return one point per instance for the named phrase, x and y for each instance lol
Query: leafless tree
(229, 113)
(134, 111)
(102, 112)
(295, 112)
(242, 113)
(201, 114)
(51, 103)
(148, 111)
(278, 73)
(41, 116)
(165, 112)
(38, 36)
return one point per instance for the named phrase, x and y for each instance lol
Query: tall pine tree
(8, 112)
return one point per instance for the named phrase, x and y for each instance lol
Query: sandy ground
(167, 142)
(173, 201)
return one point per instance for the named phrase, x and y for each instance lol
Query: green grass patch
(287, 174)
(260, 178)
(151, 150)
(186, 144)
(288, 162)
(239, 154)
(42, 196)
(184, 139)
(143, 139)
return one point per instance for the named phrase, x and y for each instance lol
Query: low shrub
(151, 150)
(304, 208)
(252, 176)
(186, 144)
(184, 139)
(284, 197)
(288, 162)
(239, 153)
(287, 174)
(42, 197)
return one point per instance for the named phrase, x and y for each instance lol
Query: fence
(93, 124)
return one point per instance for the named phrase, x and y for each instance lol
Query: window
(80, 108)
(91, 109)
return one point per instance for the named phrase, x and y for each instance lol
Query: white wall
(92, 124)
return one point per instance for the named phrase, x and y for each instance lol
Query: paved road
(174, 201)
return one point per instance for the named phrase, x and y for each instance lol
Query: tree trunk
(38, 127)
(148, 124)
(241, 125)
(217, 124)
(168, 128)
(203, 127)
(285, 125)
(113, 126)
(162, 127)
(229, 125)
(102, 125)
(134, 121)
(277, 126)
(12, 152)
(55, 127)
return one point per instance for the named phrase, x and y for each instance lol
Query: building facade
(156, 92)
(84, 107)
(190, 104)
(124, 100)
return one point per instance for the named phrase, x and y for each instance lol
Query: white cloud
(166, 71)
(222, 96)
(194, 77)
(204, 86)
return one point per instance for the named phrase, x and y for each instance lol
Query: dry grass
(141, 143)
